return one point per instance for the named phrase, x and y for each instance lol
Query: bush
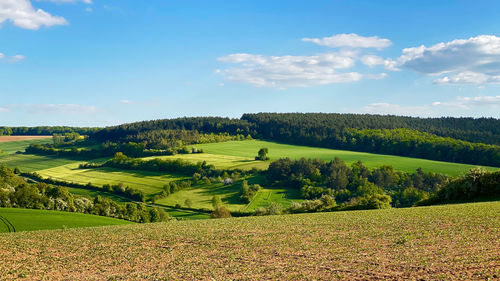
(221, 212)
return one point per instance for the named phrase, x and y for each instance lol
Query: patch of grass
(218, 160)
(28, 220)
(148, 182)
(459, 242)
(33, 163)
(266, 196)
(201, 196)
(249, 149)
(10, 147)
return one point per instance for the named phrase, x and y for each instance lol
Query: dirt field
(454, 242)
(20, 138)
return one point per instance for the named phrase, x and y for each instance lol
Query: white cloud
(351, 40)
(16, 58)
(467, 105)
(22, 14)
(2, 56)
(372, 60)
(290, 71)
(464, 61)
(3, 109)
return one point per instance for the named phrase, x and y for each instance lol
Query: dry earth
(455, 242)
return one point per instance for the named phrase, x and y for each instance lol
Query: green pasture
(10, 147)
(248, 149)
(147, 182)
(27, 220)
(33, 163)
(220, 161)
(201, 196)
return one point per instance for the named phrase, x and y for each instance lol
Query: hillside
(456, 242)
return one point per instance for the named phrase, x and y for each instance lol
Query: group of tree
(248, 191)
(208, 125)
(477, 184)
(354, 185)
(17, 193)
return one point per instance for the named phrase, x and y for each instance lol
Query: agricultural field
(220, 161)
(248, 150)
(33, 163)
(201, 196)
(10, 144)
(16, 220)
(449, 242)
(148, 182)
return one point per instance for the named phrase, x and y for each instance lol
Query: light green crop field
(148, 182)
(14, 146)
(15, 220)
(33, 163)
(452, 242)
(220, 161)
(248, 149)
(266, 196)
(201, 196)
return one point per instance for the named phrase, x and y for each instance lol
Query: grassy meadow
(27, 220)
(148, 182)
(449, 242)
(201, 196)
(248, 150)
(9, 147)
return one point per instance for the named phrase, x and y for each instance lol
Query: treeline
(412, 143)
(485, 130)
(17, 193)
(355, 186)
(46, 130)
(201, 124)
(176, 139)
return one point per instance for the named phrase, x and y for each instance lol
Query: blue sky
(105, 62)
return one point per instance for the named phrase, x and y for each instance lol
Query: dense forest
(273, 125)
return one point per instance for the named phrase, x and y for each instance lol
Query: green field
(148, 182)
(33, 163)
(27, 220)
(450, 242)
(220, 161)
(201, 196)
(248, 150)
(10, 147)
